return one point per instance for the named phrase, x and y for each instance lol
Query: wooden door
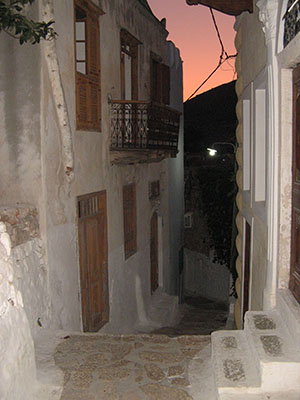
(295, 237)
(247, 255)
(92, 237)
(154, 252)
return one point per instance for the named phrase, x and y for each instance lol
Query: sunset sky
(191, 29)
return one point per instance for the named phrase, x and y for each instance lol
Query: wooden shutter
(129, 215)
(81, 101)
(160, 83)
(153, 79)
(93, 48)
(294, 283)
(165, 80)
(94, 106)
(88, 89)
(135, 73)
(154, 252)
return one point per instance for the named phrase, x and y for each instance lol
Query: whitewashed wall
(205, 278)
(17, 367)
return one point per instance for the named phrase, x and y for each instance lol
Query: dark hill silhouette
(210, 117)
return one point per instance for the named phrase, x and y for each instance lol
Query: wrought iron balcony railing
(144, 125)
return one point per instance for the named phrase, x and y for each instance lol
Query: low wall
(17, 366)
(27, 260)
(204, 278)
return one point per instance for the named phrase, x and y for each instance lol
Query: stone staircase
(260, 362)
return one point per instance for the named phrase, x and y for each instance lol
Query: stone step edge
(269, 339)
(234, 366)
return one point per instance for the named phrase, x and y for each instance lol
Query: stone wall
(27, 261)
(17, 367)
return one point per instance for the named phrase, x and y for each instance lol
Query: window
(87, 52)
(160, 81)
(188, 220)
(129, 215)
(129, 66)
(154, 190)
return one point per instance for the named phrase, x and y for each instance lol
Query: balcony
(142, 131)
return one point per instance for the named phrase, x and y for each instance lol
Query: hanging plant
(15, 23)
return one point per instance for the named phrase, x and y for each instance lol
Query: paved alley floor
(131, 367)
(171, 363)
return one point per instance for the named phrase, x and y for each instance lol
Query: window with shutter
(129, 66)
(87, 51)
(129, 216)
(160, 82)
(165, 89)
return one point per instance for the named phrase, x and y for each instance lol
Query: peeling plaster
(58, 97)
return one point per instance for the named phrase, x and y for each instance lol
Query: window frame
(159, 80)
(88, 85)
(128, 40)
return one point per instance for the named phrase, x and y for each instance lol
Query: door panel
(92, 229)
(154, 252)
(295, 242)
(247, 255)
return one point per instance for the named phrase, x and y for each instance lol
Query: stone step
(274, 351)
(262, 396)
(234, 367)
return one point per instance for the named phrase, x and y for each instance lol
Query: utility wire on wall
(224, 56)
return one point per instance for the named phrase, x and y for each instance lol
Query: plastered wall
(175, 177)
(38, 121)
(205, 278)
(129, 281)
(250, 62)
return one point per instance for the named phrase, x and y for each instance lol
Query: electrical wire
(224, 56)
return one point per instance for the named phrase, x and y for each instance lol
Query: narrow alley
(168, 363)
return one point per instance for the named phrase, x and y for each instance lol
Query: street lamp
(212, 150)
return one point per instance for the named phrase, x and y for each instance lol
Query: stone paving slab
(135, 367)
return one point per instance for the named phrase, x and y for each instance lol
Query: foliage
(218, 188)
(16, 24)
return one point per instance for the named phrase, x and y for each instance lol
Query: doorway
(246, 275)
(154, 252)
(92, 239)
(294, 284)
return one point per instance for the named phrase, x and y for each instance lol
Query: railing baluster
(143, 125)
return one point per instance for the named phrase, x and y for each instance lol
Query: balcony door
(295, 245)
(154, 252)
(129, 66)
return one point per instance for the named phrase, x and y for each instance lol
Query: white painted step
(263, 396)
(274, 351)
(234, 366)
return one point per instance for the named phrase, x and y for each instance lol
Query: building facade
(91, 126)
(267, 307)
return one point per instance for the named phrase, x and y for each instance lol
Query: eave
(230, 7)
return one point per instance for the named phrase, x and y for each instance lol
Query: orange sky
(191, 29)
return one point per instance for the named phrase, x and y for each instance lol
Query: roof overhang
(230, 7)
